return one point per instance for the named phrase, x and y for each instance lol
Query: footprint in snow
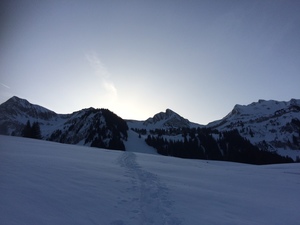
(151, 195)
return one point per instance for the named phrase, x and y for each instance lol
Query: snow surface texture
(50, 183)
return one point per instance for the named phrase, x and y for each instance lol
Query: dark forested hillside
(204, 143)
(93, 127)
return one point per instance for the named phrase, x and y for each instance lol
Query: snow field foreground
(50, 183)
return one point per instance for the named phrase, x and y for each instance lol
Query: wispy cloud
(102, 73)
(4, 85)
(110, 87)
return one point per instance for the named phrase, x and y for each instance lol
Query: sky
(138, 58)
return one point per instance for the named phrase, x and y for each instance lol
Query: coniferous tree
(33, 131)
(36, 131)
(116, 144)
(295, 140)
(27, 130)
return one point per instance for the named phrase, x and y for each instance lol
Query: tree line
(32, 131)
(204, 143)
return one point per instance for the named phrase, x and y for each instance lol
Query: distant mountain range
(270, 126)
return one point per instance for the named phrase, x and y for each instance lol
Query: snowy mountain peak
(16, 101)
(262, 108)
(170, 112)
(16, 106)
(295, 104)
(168, 118)
(237, 109)
(271, 125)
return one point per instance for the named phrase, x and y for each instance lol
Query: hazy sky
(137, 58)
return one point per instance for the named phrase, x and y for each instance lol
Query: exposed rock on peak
(167, 119)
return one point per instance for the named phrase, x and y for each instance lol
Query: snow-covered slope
(271, 125)
(136, 143)
(50, 183)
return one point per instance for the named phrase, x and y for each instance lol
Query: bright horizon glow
(198, 58)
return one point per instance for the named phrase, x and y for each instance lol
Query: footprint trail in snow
(147, 199)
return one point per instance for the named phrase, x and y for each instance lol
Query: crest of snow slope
(266, 121)
(50, 183)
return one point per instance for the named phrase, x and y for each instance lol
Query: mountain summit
(168, 119)
(271, 125)
(16, 106)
